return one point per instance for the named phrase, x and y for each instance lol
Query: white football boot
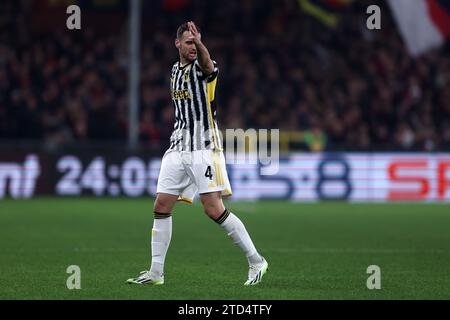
(145, 277)
(256, 272)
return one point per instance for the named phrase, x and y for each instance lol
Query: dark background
(343, 88)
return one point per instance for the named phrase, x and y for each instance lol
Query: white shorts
(184, 173)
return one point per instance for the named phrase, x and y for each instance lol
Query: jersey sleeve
(202, 76)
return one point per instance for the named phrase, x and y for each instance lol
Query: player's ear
(177, 43)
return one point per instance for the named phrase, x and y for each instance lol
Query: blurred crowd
(351, 88)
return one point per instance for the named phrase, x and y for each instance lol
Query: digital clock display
(133, 177)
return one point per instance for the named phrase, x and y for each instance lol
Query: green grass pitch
(315, 251)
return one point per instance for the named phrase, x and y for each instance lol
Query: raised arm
(204, 59)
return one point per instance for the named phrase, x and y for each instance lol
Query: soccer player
(194, 161)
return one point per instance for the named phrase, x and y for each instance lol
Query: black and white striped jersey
(193, 96)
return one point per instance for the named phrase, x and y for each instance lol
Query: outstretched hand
(196, 36)
(204, 59)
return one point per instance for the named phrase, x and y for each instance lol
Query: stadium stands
(335, 89)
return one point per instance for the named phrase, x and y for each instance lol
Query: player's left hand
(193, 30)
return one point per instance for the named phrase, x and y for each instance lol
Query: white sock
(236, 230)
(161, 235)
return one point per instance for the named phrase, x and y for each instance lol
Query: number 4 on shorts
(208, 173)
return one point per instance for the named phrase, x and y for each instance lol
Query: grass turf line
(315, 251)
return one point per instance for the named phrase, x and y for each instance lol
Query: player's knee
(212, 204)
(162, 205)
(213, 210)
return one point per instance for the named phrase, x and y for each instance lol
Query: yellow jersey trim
(210, 90)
